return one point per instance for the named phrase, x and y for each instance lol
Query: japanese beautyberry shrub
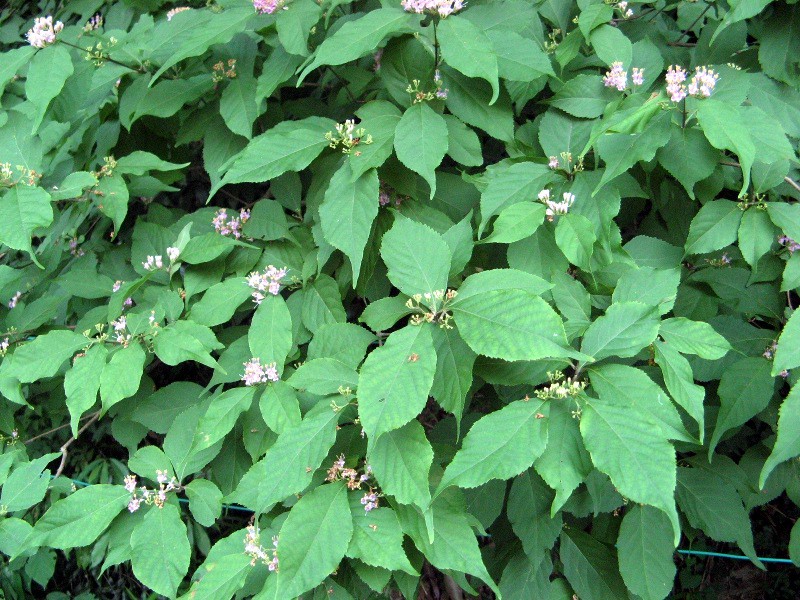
(328, 299)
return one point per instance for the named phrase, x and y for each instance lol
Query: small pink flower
(134, 504)
(255, 372)
(267, 6)
(43, 33)
(553, 163)
(637, 77)
(703, 82)
(14, 299)
(173, 253)
(130, 483)
(675, 77)
(175, 11)
(617, 77)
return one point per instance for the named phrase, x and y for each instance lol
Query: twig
(787, 179)
(690, 27)
(59, 428)
(68, 443)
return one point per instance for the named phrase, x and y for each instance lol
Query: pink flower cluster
(232, 226)
(268, 6)
(120, 327)
(116, 287)
(354, 480)
(157, 497)
(254, 549)
(556, 208)
(443, 8)
(617, 77)
(43, 33)
(255, 372)
(268, 281)
(701, 85)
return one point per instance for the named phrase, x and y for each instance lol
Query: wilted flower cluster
(4, 346)
(354, 480)
(43, 33)
(789, 244)
(387, 195)
(701, 85)
(233, 226)
(770, 350)
(254, 549)
(175, 11)
(420, 95)
(348, 137)
(443, 8)
(220, 72)
(269, 281)
(556, 208)
(14, 299)
(255, 372)
(560, 387)
(617, 77)
(267, 7)
(432, 308)
(143, 494)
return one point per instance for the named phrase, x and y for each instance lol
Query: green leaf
(401, 460)
(453, 377)
(469, 101)
(500, 445)
(379, 118)
(205, 501)
(744, 391)
(385, 312)
(516, 222)
(279, 407)
(529, 513)
(23, 210)
(80, 518)
(591, 567)
(48, 72)
(645, 553)
(501, 279)
(688, 157)
(712, 504)
(420, 141)
(139, 163)
(221, 416)
(377, 538)
(417, 257)
(323, 376)
(289, 146)
(623, 331)
(519, 58)
(575, 237)
(191, 33)
(395, 380)
(346, 342)
(13, 61)
(220, 302)
(82, 382)
(73, 185)
(787, 356)
(359, 37)
(267, 221)
(160, 550)
(289, 465)
(629, 446)
(583, 96)
(43, 357)
(463, 145)
(654, 287)
(624, 386)
(679, 379)
(565, 463)
(512, 325)
(714, 227)
(223, 577)
(313, 539)
(121, 376)
(520, 183)
(347, 212)
(786, 217)
(467, 49)
(184, 340)
(270, 333)
(787, 444)
(453, 545)
(724, 127)
(322, 304)
(756, 235)
(694, 337)
(27, 485)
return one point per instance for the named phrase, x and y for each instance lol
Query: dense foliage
(492, 296)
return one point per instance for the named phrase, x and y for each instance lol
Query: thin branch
(787, 179)
(68, 443)
(59, 428)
